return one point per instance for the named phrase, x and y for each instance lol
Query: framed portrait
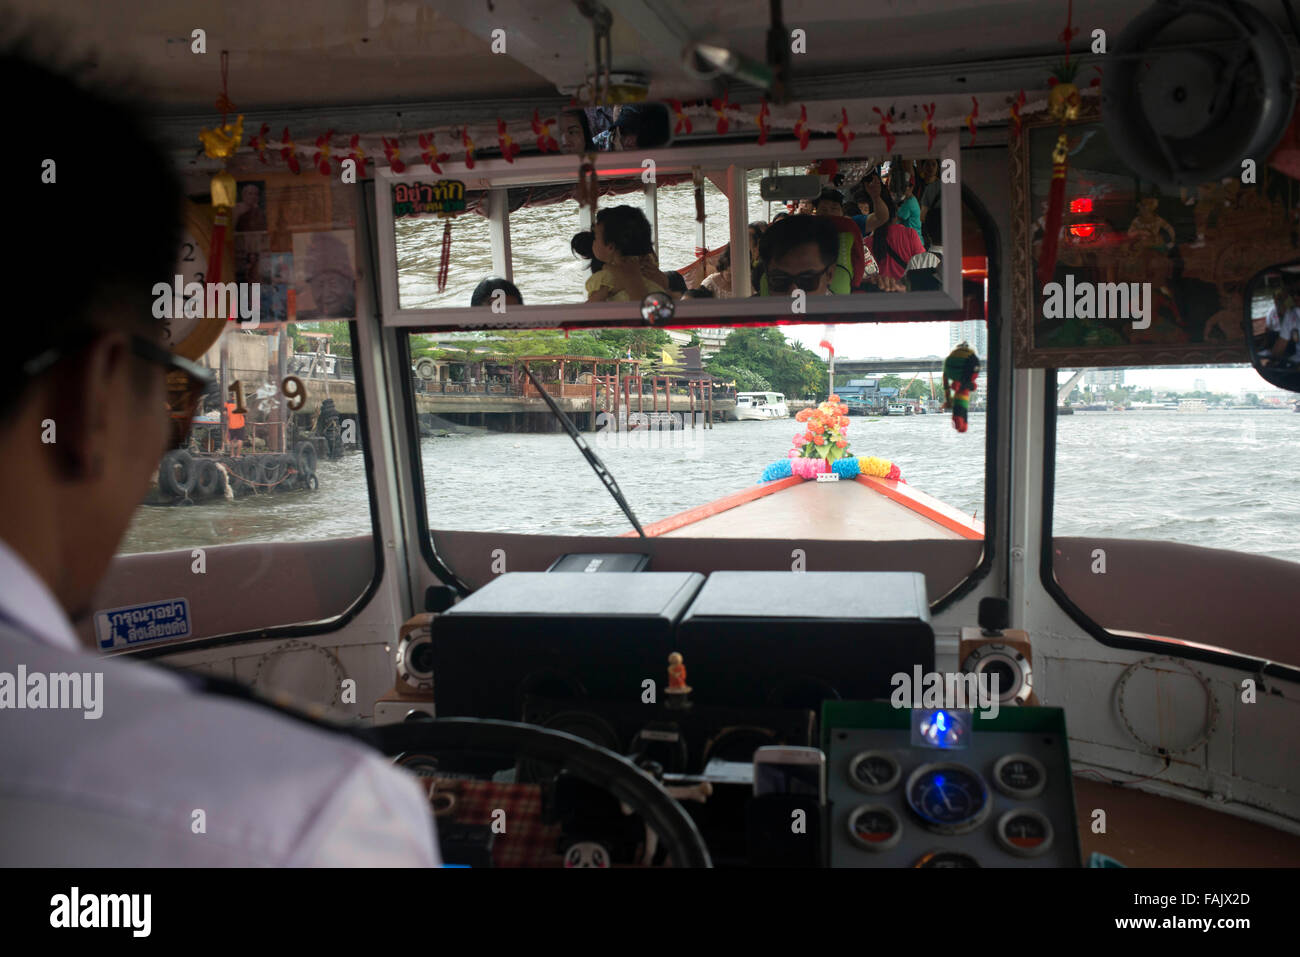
(1144, 275)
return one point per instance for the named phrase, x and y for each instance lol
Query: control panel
(977, 792)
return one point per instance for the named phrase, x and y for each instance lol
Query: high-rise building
(1104, 377)
(973, 332)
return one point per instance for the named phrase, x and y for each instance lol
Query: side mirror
(782, 188)
(1272, 324)
(629, 126)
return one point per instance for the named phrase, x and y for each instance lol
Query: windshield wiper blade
(596, 464)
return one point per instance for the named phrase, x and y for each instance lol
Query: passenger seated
(483, 292)
(799, 251)
(676, 284)
(620, 241)
(719, 282)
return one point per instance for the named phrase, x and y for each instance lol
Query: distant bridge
(885, 366)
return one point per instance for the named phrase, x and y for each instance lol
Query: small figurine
(677, 675)
(959, 372)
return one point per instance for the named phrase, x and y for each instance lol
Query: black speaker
(597, 637)
(794, 639)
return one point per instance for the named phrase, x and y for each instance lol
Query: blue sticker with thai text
(136, 624)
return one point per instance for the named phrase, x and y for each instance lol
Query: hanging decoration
(720, 107)
(959, 372)
(321, 158)
(683, 124)
(289, 152)
(697, 178)
(587, 192)
(357, 155)
(885, 120)
(444, 263)
(394, 158)
(509, 148)
(801, 128)
(220, 143)
(928, 127)
(469, 147)
(971, 117)
(763, 128)
(842, 132)
(1063, 102)
(546, 143)
(429, 153)
(1017, 105)
(257, 142)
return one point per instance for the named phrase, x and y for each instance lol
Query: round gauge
(1019, 776)
(947, 859)
(1025, 833)
(949, 798)
(191, 336)
(874, 827)
(874, 772)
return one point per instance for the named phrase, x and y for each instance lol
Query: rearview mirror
(782, 188)
(1272, 322)
(628, 126)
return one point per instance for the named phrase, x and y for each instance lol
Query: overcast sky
(912, 339)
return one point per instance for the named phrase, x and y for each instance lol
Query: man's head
(830, 202)
(485, 292)
(799, 251)
(83, 382)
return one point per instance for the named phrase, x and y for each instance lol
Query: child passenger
(624, 267)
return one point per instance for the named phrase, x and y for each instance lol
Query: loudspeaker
(794, 639)
(1005, 653)
(565, 636)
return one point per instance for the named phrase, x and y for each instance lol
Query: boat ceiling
(295, 54)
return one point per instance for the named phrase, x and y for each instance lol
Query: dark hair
(829, 195)
(113, 288)
(626, 229)
(676, 281)
(784, 214)
(700, 293)
(587, 146)
(852, 209)
(484, 290)
(582, 245)
(796, 231)
(724, 259)
(649, 126)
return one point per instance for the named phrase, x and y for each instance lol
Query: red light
(1083, 205)
(1084, 230)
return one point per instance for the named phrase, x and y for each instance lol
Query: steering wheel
(590, 762)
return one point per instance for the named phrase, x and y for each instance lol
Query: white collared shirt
(168, 777)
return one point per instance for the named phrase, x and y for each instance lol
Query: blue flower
(777, 470)
(846, 468)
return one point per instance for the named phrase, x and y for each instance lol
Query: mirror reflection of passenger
(330, 277)
(830, 202)
(799, 252)
(620, 243)
(892, 244)
(719, 282)
(484, 292)
(575, 136)
(676, 284)
(806, 207)
(1282, 325)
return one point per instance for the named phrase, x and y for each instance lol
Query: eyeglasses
(778, 281)
(186, 381)
(186, 384)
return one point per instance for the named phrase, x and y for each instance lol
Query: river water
(1218, 479)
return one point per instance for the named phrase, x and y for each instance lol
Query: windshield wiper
(596, 464)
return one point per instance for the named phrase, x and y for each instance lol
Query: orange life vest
(236, 421)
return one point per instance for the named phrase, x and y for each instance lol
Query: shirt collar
(27, 602)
